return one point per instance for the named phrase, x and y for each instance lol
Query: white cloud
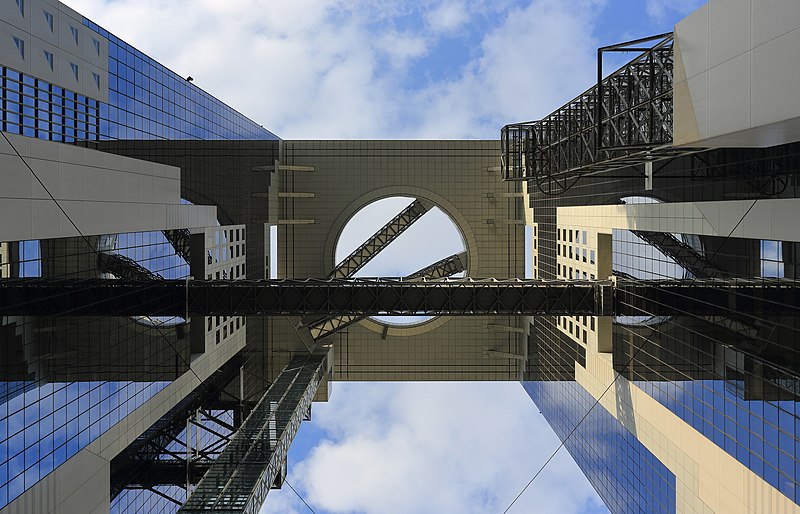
(438, 448)
(340, 68)
(448, 16)
(659, 9)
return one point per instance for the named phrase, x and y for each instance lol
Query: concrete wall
(68, 41)
(458, 176)
(102, 193)
(737, 69)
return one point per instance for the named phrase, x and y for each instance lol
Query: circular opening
(433, 237)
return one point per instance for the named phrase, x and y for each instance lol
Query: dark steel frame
(629, 125)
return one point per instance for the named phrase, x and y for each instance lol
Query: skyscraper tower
(144, 368)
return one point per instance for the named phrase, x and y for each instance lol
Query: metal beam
(239, 480)
(683, 254)
(124, 267)
(372, 246)
(624, 120)
(360, 297)
(444, 268)
(368, 297)
(743, 299)
(143, 464)
(181, 241)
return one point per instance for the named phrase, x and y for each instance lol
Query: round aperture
(430, 238)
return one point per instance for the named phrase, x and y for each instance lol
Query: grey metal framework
(362, 297)
(372, 246)
(159, 456)
(239, 480)
(689, 258)
(630, 124)
(180, 239)
(743, 299)
(367, 297)
(124, 267)
(444, 268)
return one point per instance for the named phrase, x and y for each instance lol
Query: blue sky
(374, 69)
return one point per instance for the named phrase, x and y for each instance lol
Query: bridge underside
(366, 297)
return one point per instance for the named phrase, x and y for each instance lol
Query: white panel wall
(101, 192)
(33, 28)
(737, 73)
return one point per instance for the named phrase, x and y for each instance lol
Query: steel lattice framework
(372, 246)
(361, 297)
(444, 268)
(152, 459)
(683, 254)
(239, 480)
(625, 119)
(368, 297)
(181, 241)
(124, 267)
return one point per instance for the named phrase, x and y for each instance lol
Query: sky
(372, 69)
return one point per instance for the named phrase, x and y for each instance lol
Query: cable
(89, 244)
(619, 374)
(298, 495)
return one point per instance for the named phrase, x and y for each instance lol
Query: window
(74, 69)
(49, 58)
(96, 44)
(21, 5)
(20, 46)
(74, 33)
(49, 19)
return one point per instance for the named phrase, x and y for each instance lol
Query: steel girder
(181, 241)
(625, 119)
(151, 459)
(683, 254)
(367, 297)
(372, 246)
(444, 268)
(124, 267)
(743, 299)
(239, 480)
(361, 297)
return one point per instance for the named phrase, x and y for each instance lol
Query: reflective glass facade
(65, 380)
(708, 371)
(627, 476)
(732, 377)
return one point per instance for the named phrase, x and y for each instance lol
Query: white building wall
(102, 193)
(737, 70)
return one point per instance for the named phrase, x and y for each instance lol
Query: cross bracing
(367, 297)
(239, 480)
(180, 239)
(443, 268)
(124, 267)
(624, 119)
(385, 235)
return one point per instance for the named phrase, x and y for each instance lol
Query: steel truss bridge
(368, 297)
(625, 119)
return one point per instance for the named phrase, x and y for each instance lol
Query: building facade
(114, 167)
(78, 391)
(683, 412)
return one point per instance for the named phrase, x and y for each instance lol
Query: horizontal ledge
(283, 167)
(297, 222)
(296, 195)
